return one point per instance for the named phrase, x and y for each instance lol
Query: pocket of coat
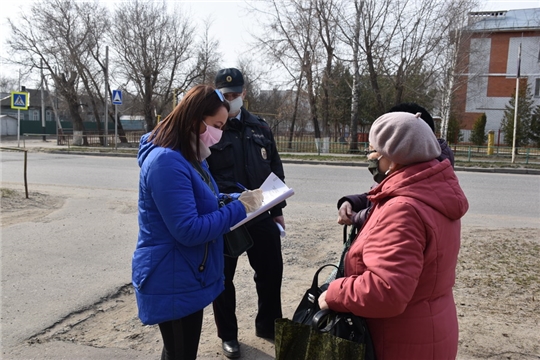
(144, 263)
(264, 146)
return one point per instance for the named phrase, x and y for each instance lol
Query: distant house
(34, 109)
(490, 45)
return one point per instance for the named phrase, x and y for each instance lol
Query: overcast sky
(231, 24)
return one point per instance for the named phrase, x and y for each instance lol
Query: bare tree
(454, 61)
(348, 21)
(156, 47)
(403, 43)
(53, 34)
(327, 29)
(291, 39)
(207, 55)
(8, 84)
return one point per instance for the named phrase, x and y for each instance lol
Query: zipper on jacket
(203, 264)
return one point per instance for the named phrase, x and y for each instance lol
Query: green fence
(500, 153)
(35, 127)
(462, 152)
(308, 145)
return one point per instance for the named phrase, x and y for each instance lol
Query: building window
(537, 88)
(48, 115)
(35, 115)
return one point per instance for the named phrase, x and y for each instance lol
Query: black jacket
(246, 154)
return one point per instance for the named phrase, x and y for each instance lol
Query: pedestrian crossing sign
(20, 100)
(117, 97)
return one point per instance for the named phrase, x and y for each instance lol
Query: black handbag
(341, 325)
(237, 241)
(309, 305)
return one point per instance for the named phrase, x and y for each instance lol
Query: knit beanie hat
(404, 138)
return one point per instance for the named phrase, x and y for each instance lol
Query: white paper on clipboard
(274, 191)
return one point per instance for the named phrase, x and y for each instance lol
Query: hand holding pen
(252, 199)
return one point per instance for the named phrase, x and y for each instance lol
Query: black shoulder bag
(291, 338)
(237, 241)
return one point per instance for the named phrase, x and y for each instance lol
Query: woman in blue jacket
(177, 267)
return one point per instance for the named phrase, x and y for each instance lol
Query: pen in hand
(242, 186)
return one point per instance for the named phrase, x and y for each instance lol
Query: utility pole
(516, 102)
(105, 141)
(44, 129)
(19, 116)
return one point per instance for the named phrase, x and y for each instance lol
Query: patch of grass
(7, 192)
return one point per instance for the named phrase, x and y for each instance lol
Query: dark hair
(414, 108)
(177, 129)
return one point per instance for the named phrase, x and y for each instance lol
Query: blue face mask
(373, 167)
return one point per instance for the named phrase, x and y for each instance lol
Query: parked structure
(8, 125)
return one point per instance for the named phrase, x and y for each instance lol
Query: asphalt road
(81, 253)
(492, 196)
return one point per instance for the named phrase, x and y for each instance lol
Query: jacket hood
(145, 147)
(434, 183)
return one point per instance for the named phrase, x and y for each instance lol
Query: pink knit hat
(404, 138)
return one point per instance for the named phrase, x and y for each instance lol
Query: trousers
(266, 260)
(181, 337)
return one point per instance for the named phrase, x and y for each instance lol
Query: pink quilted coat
(401, 268)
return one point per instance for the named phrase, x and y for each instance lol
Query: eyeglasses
(220, 95)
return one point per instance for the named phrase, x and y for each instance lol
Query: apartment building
(487, 76)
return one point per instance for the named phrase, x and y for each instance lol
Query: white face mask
(235, 105)
(211, 136)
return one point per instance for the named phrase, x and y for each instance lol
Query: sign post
(20, 101)
(116, 100)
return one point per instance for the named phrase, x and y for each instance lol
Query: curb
(515, 171)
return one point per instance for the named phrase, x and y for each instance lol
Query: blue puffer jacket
(177, 267)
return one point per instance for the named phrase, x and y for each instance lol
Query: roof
(35, 99)
(505, 20)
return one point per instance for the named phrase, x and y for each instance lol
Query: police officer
(244, 157)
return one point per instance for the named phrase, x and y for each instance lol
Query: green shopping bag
(296, 341)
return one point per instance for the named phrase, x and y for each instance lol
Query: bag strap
(347, 242)
(315, 283)
(204, 175)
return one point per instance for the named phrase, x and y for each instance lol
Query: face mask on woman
(211, 136)
(235, 105)
(373, 167)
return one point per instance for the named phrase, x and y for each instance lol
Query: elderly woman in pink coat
(400, 270)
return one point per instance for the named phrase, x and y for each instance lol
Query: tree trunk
(295, 111)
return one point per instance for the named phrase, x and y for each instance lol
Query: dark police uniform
(247, 154)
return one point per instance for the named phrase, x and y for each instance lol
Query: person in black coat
(244, 157)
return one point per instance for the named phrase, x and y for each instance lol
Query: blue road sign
(20, 100)
(117, 97)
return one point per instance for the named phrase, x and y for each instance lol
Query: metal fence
(94, 139)
(309, 145)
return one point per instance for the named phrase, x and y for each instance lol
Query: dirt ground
(497, 291)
